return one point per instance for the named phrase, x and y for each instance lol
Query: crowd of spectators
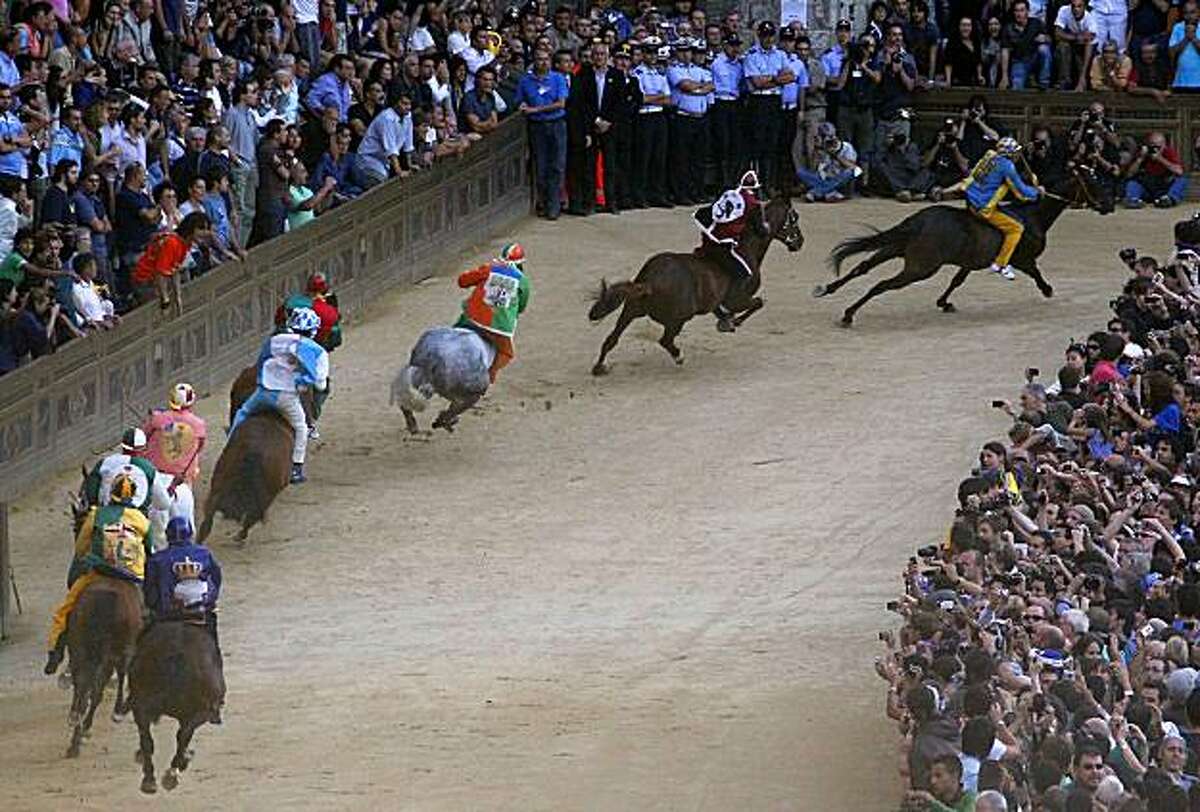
(1050, 647)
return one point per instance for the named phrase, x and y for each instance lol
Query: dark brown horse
(176, 672)
(947, 235)
(672, 288)
(101, 633)
(255, 464)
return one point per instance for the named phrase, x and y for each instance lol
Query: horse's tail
(411, 390)
(891, 243)
(610, 297)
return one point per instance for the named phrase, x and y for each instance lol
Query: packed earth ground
(659, 589)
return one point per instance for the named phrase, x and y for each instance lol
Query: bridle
(789, 229)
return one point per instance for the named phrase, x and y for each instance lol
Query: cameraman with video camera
(1156, 173)
(898, 170)
(944, 159)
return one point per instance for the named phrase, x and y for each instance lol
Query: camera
(1153, 149)
(898, 139)
(928, 551)
(1091, 583)
(1093, 116)
(1128, 255)
(892, 606)
(897, 58)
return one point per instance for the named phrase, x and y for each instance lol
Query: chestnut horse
(255, 464)
(101, 632)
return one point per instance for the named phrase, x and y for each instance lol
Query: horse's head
(783, 222)
(1084, 186)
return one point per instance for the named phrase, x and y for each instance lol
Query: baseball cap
(788, 34)
(766, 29)
(843, 24)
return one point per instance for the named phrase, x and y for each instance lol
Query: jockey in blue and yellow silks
(990, 182)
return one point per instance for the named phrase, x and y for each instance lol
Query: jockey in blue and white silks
(289, 363)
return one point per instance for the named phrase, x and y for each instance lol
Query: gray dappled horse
(452, 362)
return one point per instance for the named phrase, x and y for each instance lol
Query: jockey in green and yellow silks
(992, 180)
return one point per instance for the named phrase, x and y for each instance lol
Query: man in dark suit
(597, 109)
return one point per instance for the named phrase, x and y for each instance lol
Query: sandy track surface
(654, 590)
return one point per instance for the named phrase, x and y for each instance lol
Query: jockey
(318, 298)
(321, 300)
(112, 541)
(501, 293)
(175, 437)
(151, 492)
(993, 179)
(183, 579)
(288, 364)
(722, 224)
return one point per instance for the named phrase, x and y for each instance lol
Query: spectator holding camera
(1156, 174)
(836, 161)
(1075, 29)
(1024, 50)
(944, 160)
(895, 76)
(1047, 157)
(977, 132)
(856, 98)
(1185, 48)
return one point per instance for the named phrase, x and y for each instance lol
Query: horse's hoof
(947, 307)
(170, 779)
(847, 321)
(119, 717)
(1048, 291)
(149, 786)
(819, 291)
(72, 751)
(599, 369)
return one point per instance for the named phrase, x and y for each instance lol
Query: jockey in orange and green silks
(992, 180)
(501, 292)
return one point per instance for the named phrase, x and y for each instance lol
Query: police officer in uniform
(791, 99)
(766, 71)
(650, 128)
(623, 152)
(689, 94)
(725, 116)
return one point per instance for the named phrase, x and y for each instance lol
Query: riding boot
(724, 319)
(54, 657)
(298, 473)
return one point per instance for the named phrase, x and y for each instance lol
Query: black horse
(947, 235)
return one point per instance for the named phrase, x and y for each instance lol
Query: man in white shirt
(11, 218)
(460, 38)
(477, 55)
(1075, 30)
(93, 310)
(387, 144)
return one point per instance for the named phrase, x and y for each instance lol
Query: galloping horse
(176, 672)
(448, 361)
(671, 288)
(101, 632)
(947, 235)
(255, 464)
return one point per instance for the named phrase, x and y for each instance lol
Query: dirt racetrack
(654, 590)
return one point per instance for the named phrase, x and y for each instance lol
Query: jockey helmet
(182, 396)
(179, 529)
(123, 489)
(513, 254)
(134, 439)
(1008, 146)
(749, 181)
(304, 322)
(317, 283)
